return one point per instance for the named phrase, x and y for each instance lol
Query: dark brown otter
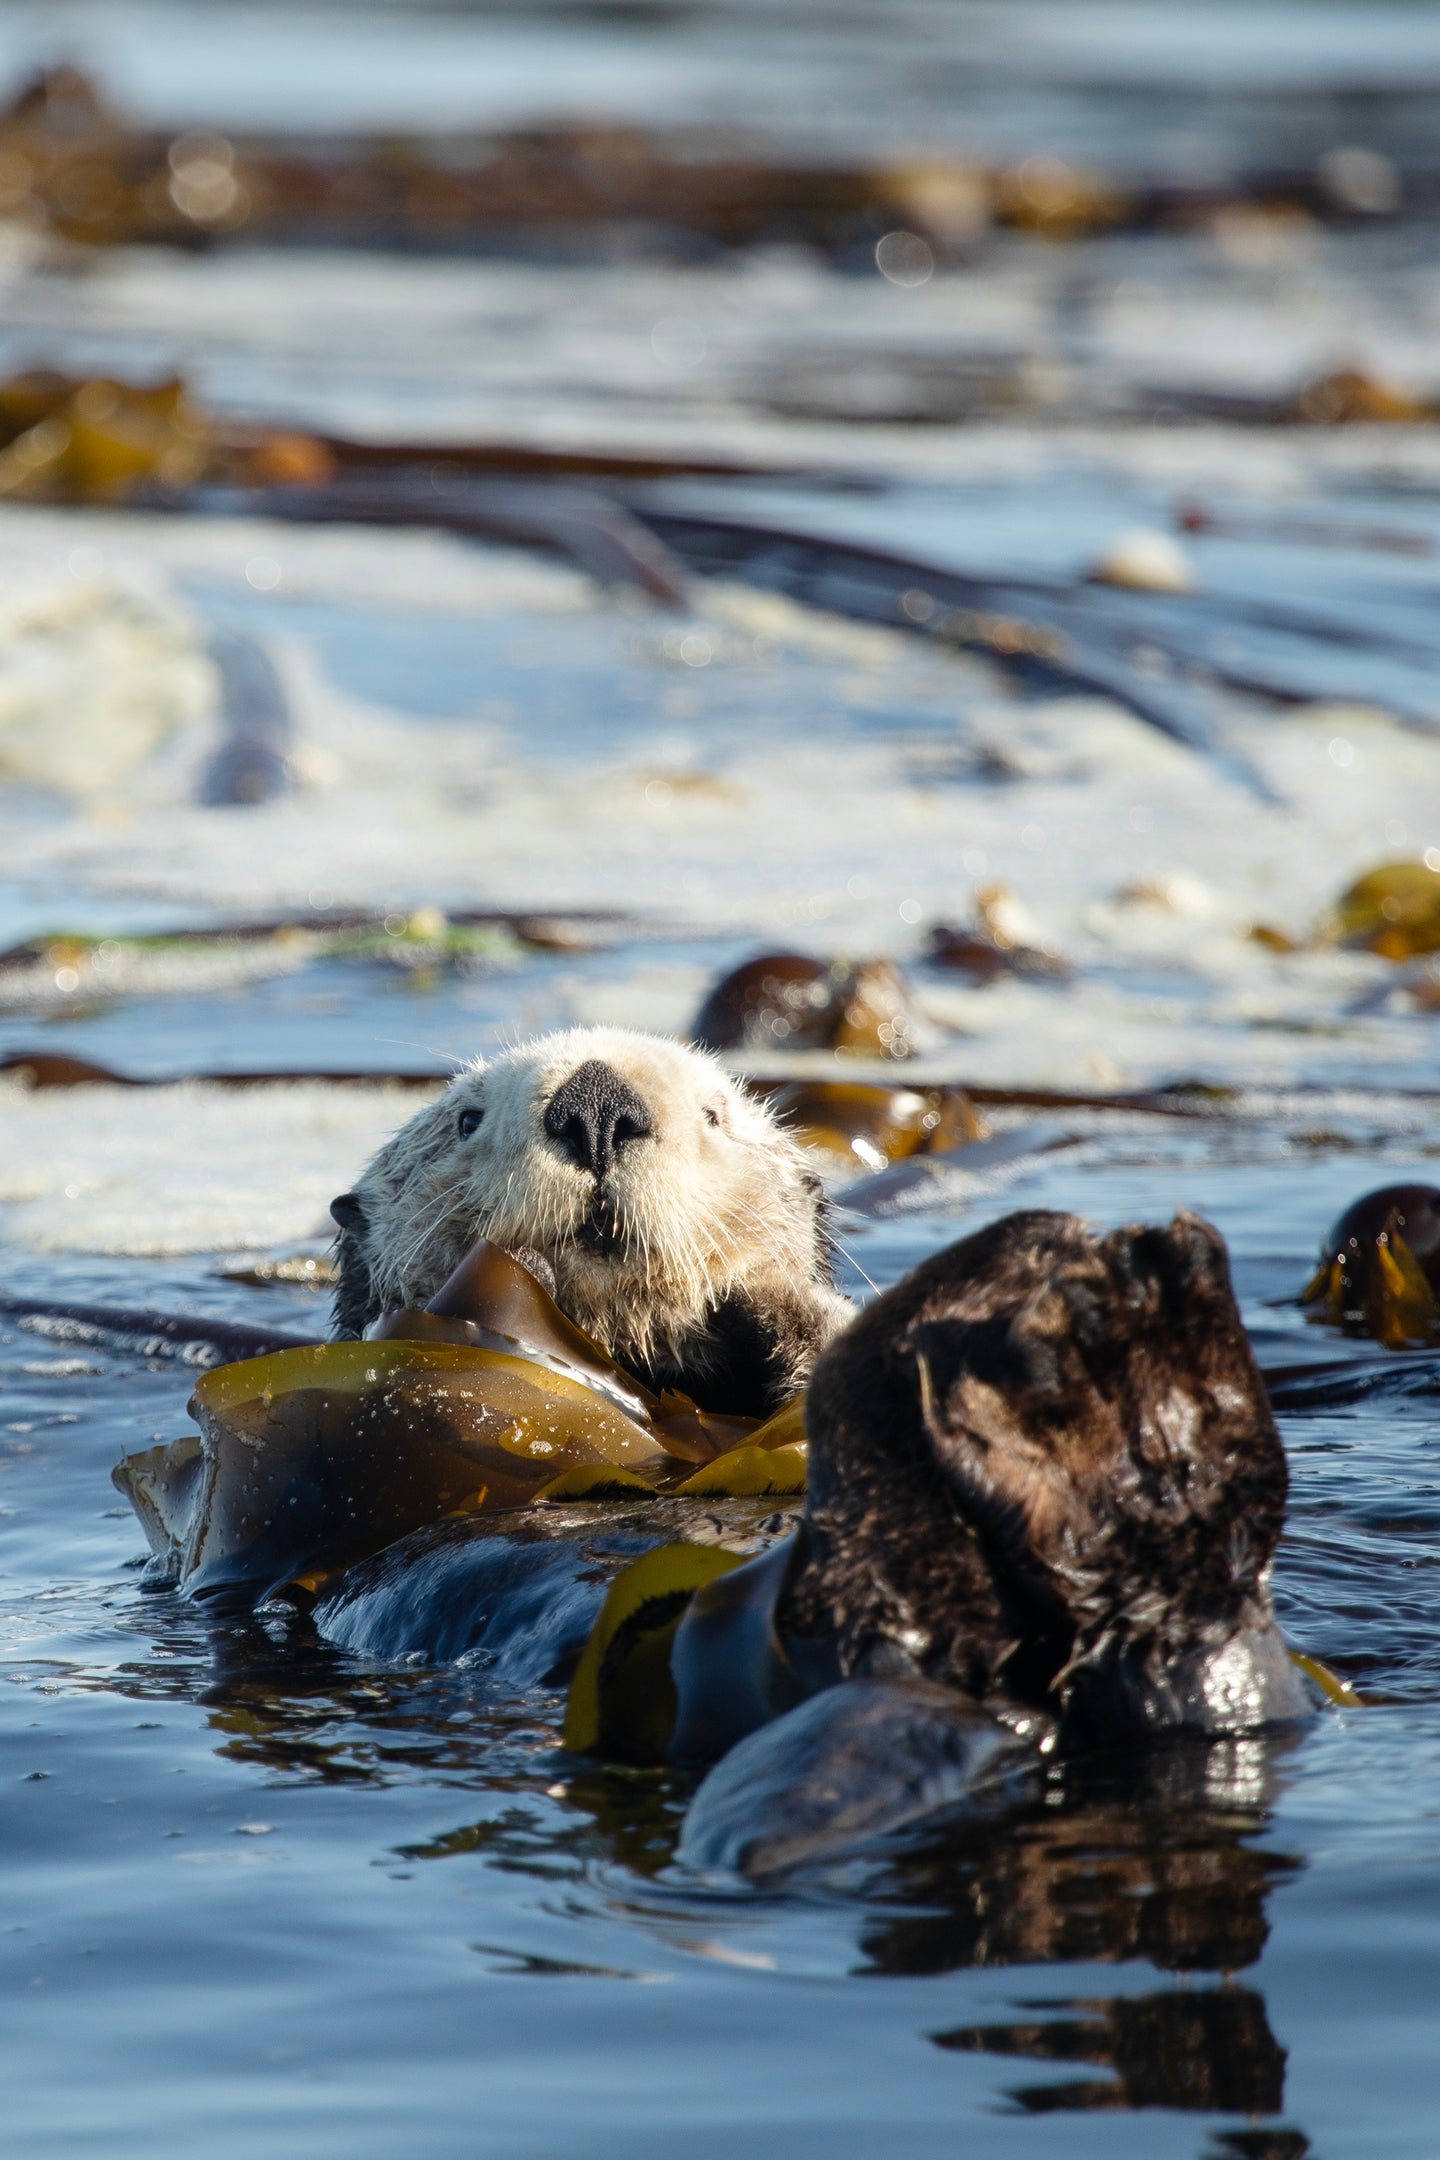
(1045, 1489)
(1043, 1470)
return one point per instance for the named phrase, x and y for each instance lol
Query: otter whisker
(428, 1226)
(448, 1057)
(846, 1254)
(397, 1271)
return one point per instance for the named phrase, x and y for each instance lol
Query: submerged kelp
(1156, 644)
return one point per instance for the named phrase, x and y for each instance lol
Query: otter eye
(467, 1122)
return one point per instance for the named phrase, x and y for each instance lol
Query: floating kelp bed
(65, 967)
(1092, 634)
(1137, 626)
(95, 178)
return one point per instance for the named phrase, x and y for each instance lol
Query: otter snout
(595, 1115)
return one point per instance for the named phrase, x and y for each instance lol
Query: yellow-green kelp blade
(622, 1698)
(595, 1481)
(747, 1473)
(316, 1457)
(1331, 1686)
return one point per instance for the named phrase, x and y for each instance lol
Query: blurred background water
(1035, 436)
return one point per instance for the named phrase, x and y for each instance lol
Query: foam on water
(772, 356)
(95, 674)
(184, 1169)
(808, 779)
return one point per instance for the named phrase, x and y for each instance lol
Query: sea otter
(1045, 1494)
(675, 1221)
(1043, 1467)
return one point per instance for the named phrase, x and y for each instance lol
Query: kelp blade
(317, 1457)
(1332, 1687)
(595, 1481)
(622, 1697)
(785, 1429)
(1407, 1303)
(747, 1473)
(163, 1484)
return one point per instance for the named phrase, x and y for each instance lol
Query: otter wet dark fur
(683, 1230)
(1043, 1467)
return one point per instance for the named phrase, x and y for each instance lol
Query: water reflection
(625, 1819)
(1149, 1859)
(1156, 1859)
(1165, 1856)
(1208, 2049)
(280, 1698)
(1259, 2145)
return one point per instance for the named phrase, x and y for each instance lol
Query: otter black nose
(594, 1115)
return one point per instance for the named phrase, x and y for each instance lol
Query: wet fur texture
(1044, 1466)
(699, 1259)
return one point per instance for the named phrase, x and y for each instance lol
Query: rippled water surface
(257, 1889)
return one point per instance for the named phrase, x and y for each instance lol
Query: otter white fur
(684, 1228)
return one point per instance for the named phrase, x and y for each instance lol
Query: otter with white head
(684, 1230)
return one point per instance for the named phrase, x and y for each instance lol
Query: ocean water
(260, 1894)
(260, 1890)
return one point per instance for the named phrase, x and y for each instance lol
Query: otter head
(684, 1230)
(1044, 1467)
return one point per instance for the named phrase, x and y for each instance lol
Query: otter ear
(355, 1306)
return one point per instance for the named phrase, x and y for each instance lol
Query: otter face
(654, 1186)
